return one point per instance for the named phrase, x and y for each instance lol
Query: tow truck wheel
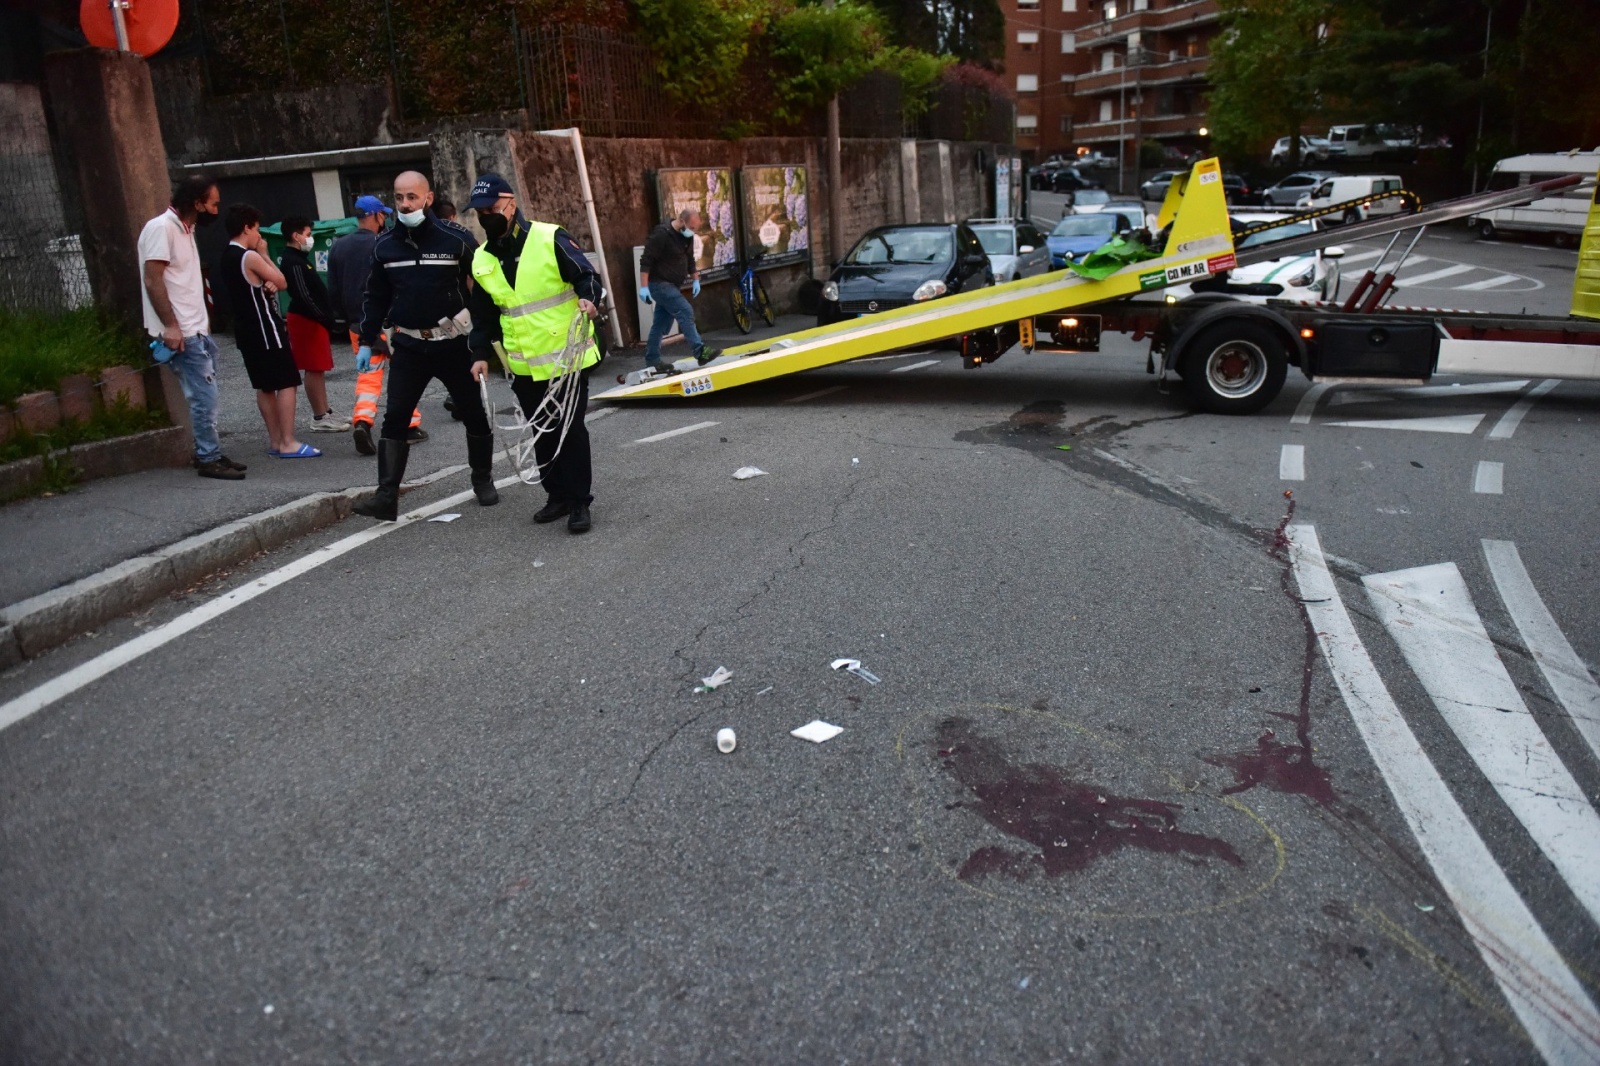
(1235, 368)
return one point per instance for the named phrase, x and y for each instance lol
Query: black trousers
(569, 478)
(412, 365)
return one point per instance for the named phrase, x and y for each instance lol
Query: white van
(1337, 190)
(1562, 215)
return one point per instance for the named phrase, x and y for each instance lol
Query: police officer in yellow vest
(530, 281)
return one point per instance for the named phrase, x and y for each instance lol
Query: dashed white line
(1447, 272)
(1462, 424)
(1565, 672)
(1489, 478)
(1308, 404)
(830, 390)
(1509, 421)
(1552, 1005)
(598, 413)
(1490, 283)
(915, 366)
(1429, 613)
(680, 431)
(1292, 462)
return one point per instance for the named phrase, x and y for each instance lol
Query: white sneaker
(327, 424)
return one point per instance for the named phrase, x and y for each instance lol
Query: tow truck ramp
(1232, 355)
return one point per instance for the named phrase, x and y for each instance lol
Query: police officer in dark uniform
(531, 280)
(420, 281)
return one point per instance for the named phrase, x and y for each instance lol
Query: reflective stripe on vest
(536, 314)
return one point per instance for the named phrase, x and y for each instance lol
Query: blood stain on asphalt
(1073, 824)
(1274, 764)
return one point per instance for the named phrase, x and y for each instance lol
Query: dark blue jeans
(670, 304)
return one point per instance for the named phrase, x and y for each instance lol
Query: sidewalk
(133, 522)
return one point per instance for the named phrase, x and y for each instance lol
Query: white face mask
(411, 219)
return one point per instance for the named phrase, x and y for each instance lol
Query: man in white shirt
(175, 314)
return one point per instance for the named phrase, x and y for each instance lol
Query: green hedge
(37, 350)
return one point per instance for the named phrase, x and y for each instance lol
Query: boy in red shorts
(311, 322)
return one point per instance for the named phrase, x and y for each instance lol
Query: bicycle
(750, 293)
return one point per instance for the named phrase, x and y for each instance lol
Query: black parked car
(1237, 191)
(893, 266)
(1069, 179)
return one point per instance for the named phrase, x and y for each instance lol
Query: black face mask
(495, 225)
(205, 218)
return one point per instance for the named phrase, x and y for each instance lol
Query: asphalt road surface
(1198, 739)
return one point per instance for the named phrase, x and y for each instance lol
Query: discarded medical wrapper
(745, 473)
(719, 677)
(444, 518)
(855, 667)
(817, 731)
(726, 741)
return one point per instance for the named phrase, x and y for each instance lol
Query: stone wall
(198, 127)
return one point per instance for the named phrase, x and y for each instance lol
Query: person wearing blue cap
(349, 263)
(532, 282)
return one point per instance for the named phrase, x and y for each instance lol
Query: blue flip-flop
(306, 452)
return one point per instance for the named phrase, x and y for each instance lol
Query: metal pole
(120, 25)
(835, 179)
(587, 193)
(1122, 121)
(1483, 94)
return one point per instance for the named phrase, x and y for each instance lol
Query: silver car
(1015, 247)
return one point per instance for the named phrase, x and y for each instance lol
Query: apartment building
(1146, 77)
(1042, 63)
(1095, 75)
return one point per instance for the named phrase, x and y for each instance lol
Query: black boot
(480, 456)
(385, 503)
(579, 520)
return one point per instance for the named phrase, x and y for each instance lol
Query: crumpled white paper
(745, 473)
(855, 667)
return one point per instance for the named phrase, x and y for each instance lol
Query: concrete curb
(35, 625)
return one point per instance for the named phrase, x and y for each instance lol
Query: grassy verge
(38, 350)
(59, 473)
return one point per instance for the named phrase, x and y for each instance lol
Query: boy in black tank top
(252, 282)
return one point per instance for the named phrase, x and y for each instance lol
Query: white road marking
(1491, 283)
(676, 432)
(1429, 613)
(1361, 257)
(1292, 462)
(1509, 421)
(1308, 404)
(437, 475)
(915, 366)
(1565, 672)
(1428, 392)
(1552, 1005)
(79, 677)
(1436, 424)
(1489, 478)
(831, 389)
(891, 356)
(1423, 279)
(597, 413)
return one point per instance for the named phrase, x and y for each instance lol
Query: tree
(700, 46)
(818, 51)
(972, 31)
(1269, 69)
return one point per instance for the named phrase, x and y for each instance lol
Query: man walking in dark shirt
(666, 264)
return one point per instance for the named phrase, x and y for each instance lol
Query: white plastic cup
(726, 741)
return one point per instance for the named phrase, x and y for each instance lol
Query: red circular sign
(150, 23)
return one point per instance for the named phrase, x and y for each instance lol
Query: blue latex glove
(364, 358)
(694, 290)
(644, 294)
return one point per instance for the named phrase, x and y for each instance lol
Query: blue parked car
(1077, 235)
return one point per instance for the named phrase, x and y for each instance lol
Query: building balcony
(1177, 17)
(1147, 75)
(1151, 127)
